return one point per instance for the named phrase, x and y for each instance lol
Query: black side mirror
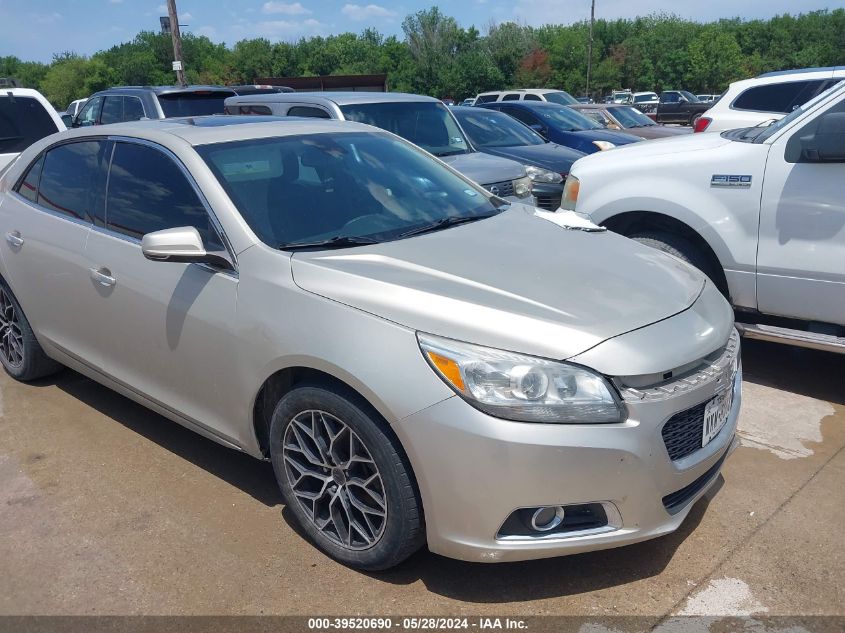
(67, 120)
(827, 144)
(539, 129)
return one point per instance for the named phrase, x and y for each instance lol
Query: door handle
(14, 238)
(102, 276)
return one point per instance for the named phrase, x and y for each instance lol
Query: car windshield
(339, 189)
(424, 123)
(561, 97)
(690, 97)
(768, 131)
(631, 117)
(567, 119)
(487, 128)
(177, 104)
(23, 120)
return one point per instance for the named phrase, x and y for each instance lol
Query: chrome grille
(501, 189)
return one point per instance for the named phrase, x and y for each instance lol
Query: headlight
(538, 174)
(519, 387)
(603, 145)
(522, 187)
(570, 193)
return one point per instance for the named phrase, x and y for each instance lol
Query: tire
(20, 352)
(693, 119)
(679, 247)
(314, 434)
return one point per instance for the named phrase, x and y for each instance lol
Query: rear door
(801, 254)
(46, 222)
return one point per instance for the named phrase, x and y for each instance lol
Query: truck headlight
(603, 145)
(538, 174)
(570, 193)
(522, 187)
(520, 387)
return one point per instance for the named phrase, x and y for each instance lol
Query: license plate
(716, 415)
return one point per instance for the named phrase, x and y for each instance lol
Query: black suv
(131, 103)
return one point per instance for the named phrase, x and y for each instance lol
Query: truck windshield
(424, 123)
(335, 190)
(690, 97)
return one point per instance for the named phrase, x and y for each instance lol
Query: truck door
(669, 107)
(801, 254)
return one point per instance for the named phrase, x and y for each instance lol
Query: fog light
(547, 519)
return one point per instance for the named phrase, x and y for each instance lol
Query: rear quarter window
(781, 98)
(23, 120)
(308, 111)
(193, 103)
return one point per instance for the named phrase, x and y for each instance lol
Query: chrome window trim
(61, 216)
(187, 174)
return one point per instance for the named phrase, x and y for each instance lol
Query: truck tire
(678, 246)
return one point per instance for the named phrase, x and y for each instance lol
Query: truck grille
(549, 203)
(682, 432)
(501, 189)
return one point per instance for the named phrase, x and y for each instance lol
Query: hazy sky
(35, 29)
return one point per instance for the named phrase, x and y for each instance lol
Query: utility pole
(178, 65)
(590, 46)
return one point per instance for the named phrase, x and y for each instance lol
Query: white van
(527, 94)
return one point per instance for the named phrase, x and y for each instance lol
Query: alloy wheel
(335, 479)
(11, 337)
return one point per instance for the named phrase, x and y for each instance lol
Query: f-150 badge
(729, 180)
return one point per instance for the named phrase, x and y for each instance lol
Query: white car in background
(25, 117)
(527, 94)
(768, 97)
(75, 106)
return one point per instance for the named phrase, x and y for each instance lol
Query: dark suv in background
(131, 103)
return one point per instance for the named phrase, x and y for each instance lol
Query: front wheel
(345, 479)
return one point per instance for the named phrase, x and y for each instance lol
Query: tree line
(438, 57)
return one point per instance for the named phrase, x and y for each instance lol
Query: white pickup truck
(25, 117)
(761, 210)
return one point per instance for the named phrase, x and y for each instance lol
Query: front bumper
(474, 470)
(547, 196)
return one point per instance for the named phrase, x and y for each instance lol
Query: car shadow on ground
(805, 372)
(472, 582)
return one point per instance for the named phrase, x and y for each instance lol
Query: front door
(165, 329)
(801, 255)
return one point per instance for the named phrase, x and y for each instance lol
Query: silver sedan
(420, 360)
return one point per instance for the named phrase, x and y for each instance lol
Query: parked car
(25, 117)
(419, 361)
(621, 96)
(707, 98)
(564, 125)
(526, 94)
(498, 134)
(759, 209)
(424, 121)
(585, 100)
(132, 103)
(468, 102)
(646, 102)
(258, 89)
(75, 106)
(679, 106)
(628, 119)
(767, 98)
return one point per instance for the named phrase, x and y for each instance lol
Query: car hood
(515, 281)
(659, 131)
(484, 168)
(673, 145)
(617, 138)
(548, 155)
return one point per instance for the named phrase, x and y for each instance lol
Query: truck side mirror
(827, 143)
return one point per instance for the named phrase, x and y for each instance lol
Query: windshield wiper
(444, 223)
(451, 153)
(338, 241)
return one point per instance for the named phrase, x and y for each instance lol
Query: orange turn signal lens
(448, 368)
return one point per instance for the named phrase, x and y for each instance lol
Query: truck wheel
(693, 119)
(345, 479)
(20, 353)
(677, 246)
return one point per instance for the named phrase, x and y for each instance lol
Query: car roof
(798, 71)
(160, 90)
(220, 128)
(338, 98)
(523, 104)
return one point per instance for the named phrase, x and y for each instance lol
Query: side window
(148, 192)
(779, 98)
(828, 147)
(485, 99)
(112, 110)
(89, 113)
(133, 109)
(532, 97)
(72, 179)
(29, 185)
(670, 97)
(511, 96)
(522, 115)
(308, 111)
